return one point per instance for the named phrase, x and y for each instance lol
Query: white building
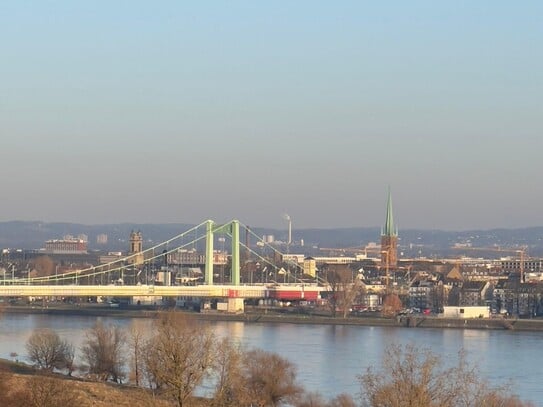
(466, 312)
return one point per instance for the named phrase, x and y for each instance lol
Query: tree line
(181, 354)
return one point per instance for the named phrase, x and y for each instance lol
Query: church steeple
(389, 239)
(388, 229)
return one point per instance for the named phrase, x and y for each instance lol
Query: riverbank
(253, 316)
(272, 316)
(22, 385)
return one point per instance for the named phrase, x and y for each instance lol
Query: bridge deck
(214, 291)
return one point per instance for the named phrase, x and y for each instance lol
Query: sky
(168, 111)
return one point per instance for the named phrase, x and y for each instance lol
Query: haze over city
(179, 112)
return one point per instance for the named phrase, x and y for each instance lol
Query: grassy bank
(23, 385)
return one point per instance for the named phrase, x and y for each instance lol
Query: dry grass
(18, 380)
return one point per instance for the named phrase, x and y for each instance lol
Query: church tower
(136, 248)
(389, 238)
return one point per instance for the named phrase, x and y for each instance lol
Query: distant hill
(33, 234)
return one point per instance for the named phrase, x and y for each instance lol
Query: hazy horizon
(138, 112)
(281, 228)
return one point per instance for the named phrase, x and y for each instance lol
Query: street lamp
(264, 278)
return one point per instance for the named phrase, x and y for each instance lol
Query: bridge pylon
(208, 273)
(231, 228)
(235, 272)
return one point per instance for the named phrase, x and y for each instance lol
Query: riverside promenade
(273, 316)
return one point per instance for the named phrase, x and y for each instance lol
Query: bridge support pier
(236, 306)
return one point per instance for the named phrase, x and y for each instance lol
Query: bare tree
(311, 399)
(391, 305)
(14, 356)
(416, 377)
(43, 391)
(270, 380)
(494, 399)
(342, 400)
(43, 266)
(69, 357)
(179, 355)
(103, 350)
(37, 391)
(227, 372)
(47, 351)
(256, 378)
(137, 343)
(344, 289)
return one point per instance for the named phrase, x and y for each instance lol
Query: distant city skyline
(179, 112)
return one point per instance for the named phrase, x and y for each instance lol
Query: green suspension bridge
(122, 277)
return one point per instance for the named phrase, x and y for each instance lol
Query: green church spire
(388, 229)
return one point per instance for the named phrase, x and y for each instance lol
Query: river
(329, 357)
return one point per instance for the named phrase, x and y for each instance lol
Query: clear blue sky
(132, 111)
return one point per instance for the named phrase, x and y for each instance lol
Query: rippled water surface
(330, 357)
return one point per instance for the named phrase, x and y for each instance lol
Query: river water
(328, 357)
